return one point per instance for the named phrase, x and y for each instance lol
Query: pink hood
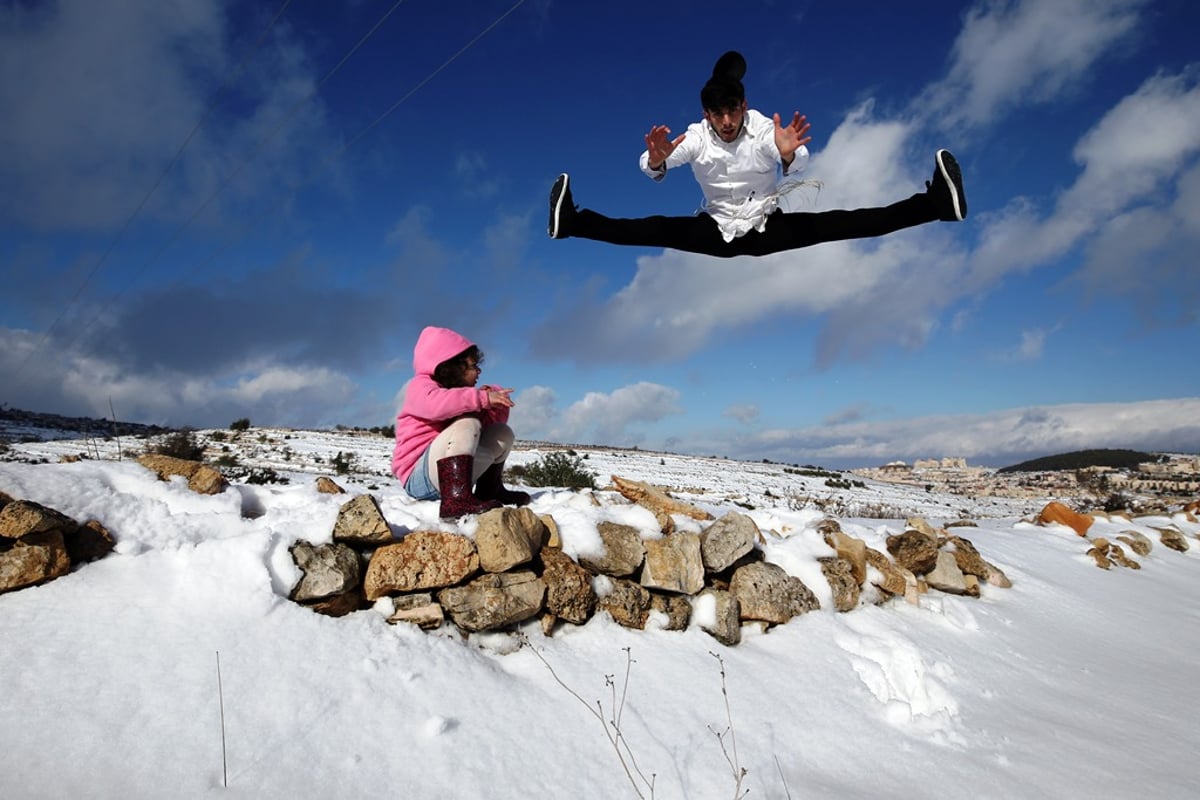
(436, 345)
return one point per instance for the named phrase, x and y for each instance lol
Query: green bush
(559, 469)
(180, 444)
(239, 425)
(343, 463)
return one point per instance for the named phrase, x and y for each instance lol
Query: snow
(1075, 682)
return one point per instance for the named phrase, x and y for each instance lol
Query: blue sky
(200, 223)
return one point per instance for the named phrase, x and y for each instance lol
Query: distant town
(1171, 478)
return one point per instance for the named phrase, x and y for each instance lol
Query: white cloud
(112, 96)
(994, 439)
(597, 417)
(1031, 346)
(1133, 207)
(69, 381)
(746, 413)
(1010, 54)
(507, 240)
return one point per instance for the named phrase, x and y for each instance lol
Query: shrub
(240, 425)
(180, 444)
(559, 469)
(343, 463)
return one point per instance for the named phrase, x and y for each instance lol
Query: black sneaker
(561, 207)
(946, 188)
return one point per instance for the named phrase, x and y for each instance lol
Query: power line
(325, 163)
(212, 105)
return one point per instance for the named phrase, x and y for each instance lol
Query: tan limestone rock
(895, 578)
(494, 600)
(569, 593)
(766, 592)
(421, 560)
(677, 610)
(23, 517)
(840, 575)
(1057, 513)
(914, 551)
(624, 550)
(658, 502)
(88, 542)
(35, 558)
(553, 539)
(853, 550)
(201, 478)
(1138, 542)
(418, 609)
(328, 486)
(509, 537)
(673, 564)
(1173, 538)
(361, 521)
(627, 603)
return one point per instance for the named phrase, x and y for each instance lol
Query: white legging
(467, 436)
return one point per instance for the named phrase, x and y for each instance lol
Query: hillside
(1083, 459)
(179, 661)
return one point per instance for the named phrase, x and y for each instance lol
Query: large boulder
(673, 564)
(623, 553)
(726, 540)
(569, 593)
(201, 478)
(494, 601)
(913, 550)
(35, 558)
(509, 537)
(718, 613)
(765, 592)
(1055, 513)
(326, 570)
(627, 603)
(23, 517)
(967, 557)
(361, 522)
(421, 560)
(840, 575)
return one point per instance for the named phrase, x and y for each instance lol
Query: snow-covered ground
(1076, 682)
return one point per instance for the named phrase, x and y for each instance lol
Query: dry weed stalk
(611, 725)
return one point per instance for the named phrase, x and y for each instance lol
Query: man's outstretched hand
(658, 146)
(791, 137)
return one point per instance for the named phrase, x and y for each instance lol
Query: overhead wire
(230, 79)
(260, 145)
(307, 179)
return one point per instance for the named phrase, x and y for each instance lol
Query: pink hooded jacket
(429, 408)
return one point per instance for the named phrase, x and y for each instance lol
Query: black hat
(730, 67)
(724, 89)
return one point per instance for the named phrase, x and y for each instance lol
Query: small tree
(343, 463)
(240, 425)
(559, 469)
(181, 444)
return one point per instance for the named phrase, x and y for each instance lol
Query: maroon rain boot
(490, 487)
(455, 475)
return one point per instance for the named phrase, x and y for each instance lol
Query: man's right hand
(658, 146)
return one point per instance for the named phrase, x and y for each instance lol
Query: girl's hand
(499, 397)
